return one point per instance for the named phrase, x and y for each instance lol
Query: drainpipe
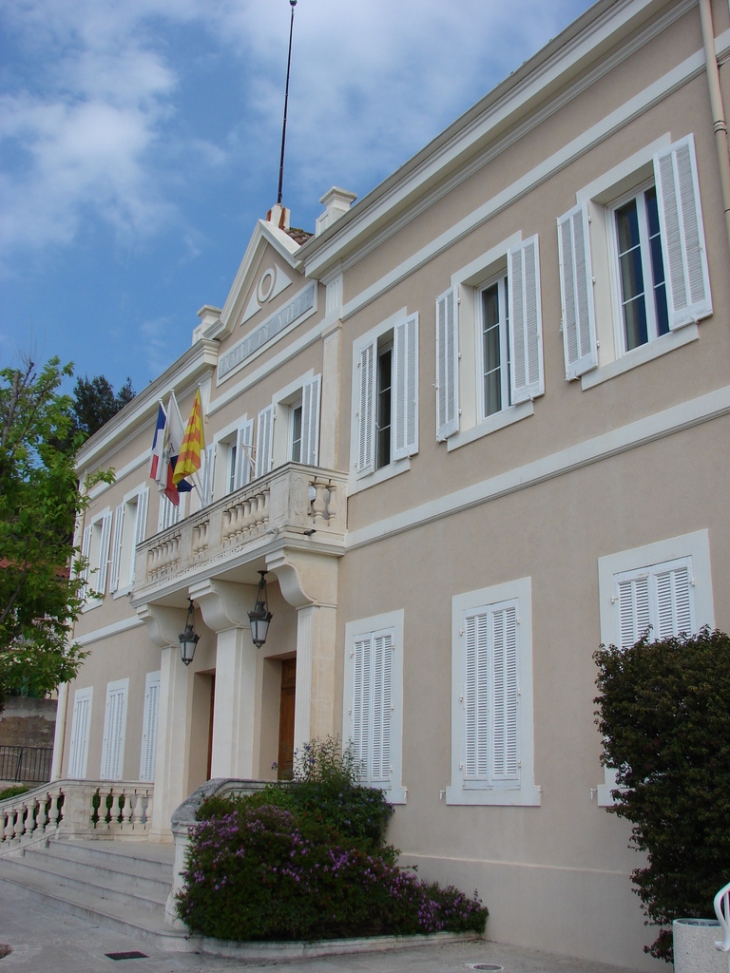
(718, 112)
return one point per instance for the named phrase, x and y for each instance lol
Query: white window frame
(78, 755)
(112, 751)
(150, 723)
(304, 391)
(462, 791)
(404, 375)
(131, 516)
(693, 549)
(393, 623)
(463, 421)
(238, 434)
(96, 547)
(607, 357)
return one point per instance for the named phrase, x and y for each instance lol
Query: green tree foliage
(664, 712)
(39, 501)
(95, 403)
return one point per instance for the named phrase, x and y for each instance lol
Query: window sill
(525, 796)
(384, 473)
(123, 592)
(491, 424)
(91, 603)
(644, 353)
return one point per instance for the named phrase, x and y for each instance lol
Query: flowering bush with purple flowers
(308, 860)
(262, 872)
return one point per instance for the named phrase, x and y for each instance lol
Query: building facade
(472, 428)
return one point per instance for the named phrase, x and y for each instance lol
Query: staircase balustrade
(83, 809)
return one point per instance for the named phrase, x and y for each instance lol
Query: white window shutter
(85, 551)
(106, 530)
(310, 421)
(382, 681)
(576, 289)
(674, 603)
(244, 455)
(505, 755)
(476, 697)
(525, 331)
(405, 388)
(682, 233)
(113, 743)
(79, 747)
(208, 466)
(117, 547)
(265, 441)
(633, 609)
(140, 522)
(366, 409)
(447, 365)
(361, 691)
(149, 727)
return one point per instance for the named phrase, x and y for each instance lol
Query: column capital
(164, 624)
(223, 604)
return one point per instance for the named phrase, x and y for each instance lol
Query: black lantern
(188, 638)
(260, 616)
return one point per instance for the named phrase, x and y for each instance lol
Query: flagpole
(293, 4)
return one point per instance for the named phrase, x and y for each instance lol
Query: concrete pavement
(44, 938)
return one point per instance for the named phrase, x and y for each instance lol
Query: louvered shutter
(113, 742)
(525, 317)
(674, 603)
(208, 466)
(117, 547)
(361, 704)
(476, 697)
(405, 388)
(447, 366)
(106, 530)
(265, 441)
(366, 410)
(85, 552)
(682, 234)
(633, 609)
(382, 681)
(244, 453)
(310, 421)
(576, 289)
(140, 521)
(149, 727)
(79, 747)
(505, 765)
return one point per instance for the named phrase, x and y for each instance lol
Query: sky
(140, 139)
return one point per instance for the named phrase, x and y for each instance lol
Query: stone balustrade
(304, 502)
(79, 808)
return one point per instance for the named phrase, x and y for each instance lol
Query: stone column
(224, 606)
(309, 583)
(174, 716)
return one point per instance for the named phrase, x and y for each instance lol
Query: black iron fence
(30, 765)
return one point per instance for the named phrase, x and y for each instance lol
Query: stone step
(96, 876)
(73, 877)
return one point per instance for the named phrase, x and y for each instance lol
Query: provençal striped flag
(193, 443)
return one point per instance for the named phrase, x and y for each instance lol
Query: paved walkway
(43, 938)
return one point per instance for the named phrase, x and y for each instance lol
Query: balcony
(295, 505)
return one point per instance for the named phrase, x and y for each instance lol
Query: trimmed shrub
(13, 791)
(664, 712)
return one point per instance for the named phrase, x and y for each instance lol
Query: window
(295, 426)
(645, 229)
(130, 526)
(115, 720)
(664, 588)
(95, 551)
(492, 735)
(489, 362)
(149, 726)
(79, 748)
(288, 429)
(373, 700)
(385, 397)
(233, 459)
(169, 514)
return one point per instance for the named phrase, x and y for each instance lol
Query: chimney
(279, 216)
(337, 202)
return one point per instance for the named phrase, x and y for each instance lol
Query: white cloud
(97, 124)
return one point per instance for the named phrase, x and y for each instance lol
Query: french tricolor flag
(158, 443)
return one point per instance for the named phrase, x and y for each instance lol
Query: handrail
(722, 911)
